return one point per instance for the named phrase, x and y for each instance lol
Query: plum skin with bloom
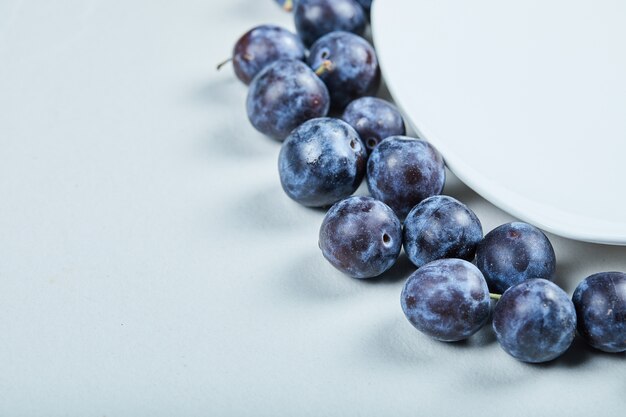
(321, 162)
(316, 18)
(535, 321)
(447, 299)
(361, 237)
(352, 67)
(283, 95)
(441, 227)
(374, 119)
(514, 252)
(600, 301)
(403, 171)
(366, 4)
(262, 45)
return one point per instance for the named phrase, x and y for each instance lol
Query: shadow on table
(580, 353)
(310, 278)
(269, 209)
(395, 341)
(229, 133)
(398, 273)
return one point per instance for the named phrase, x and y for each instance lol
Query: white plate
(525, 99)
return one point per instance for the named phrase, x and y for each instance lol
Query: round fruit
(441, 227)
(316, 18)
(600, 302)
(361, 237)
(284, 95)
(512, 253)
(374, 119)
(262, 45)
(321, 162)
(348, 66)
(535, 321)
(403, 171)
(447, 299)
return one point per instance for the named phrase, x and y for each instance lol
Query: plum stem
(494, 296)
(288, 5)
(221, 64)
(327, 65)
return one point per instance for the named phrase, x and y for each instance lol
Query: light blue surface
(150, 264)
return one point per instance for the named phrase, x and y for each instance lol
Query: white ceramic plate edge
(553, 220)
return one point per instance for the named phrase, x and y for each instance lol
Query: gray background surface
(150, 264)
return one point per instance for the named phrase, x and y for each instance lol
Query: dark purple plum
(535, 321)
(283, 96)
(403, 171)
(348, 66)
(374, 119)
(321, 162)
(361, 237)
(287, 5)
(262, 45)
(512, 253)
(447, 299)
(366, 5)
(600, 302)
(441, 227)
(316, 18)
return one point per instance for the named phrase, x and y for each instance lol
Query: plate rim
(493, 192)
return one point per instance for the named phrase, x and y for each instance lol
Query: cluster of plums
(323, 160)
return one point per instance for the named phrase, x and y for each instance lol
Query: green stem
(494, 296)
